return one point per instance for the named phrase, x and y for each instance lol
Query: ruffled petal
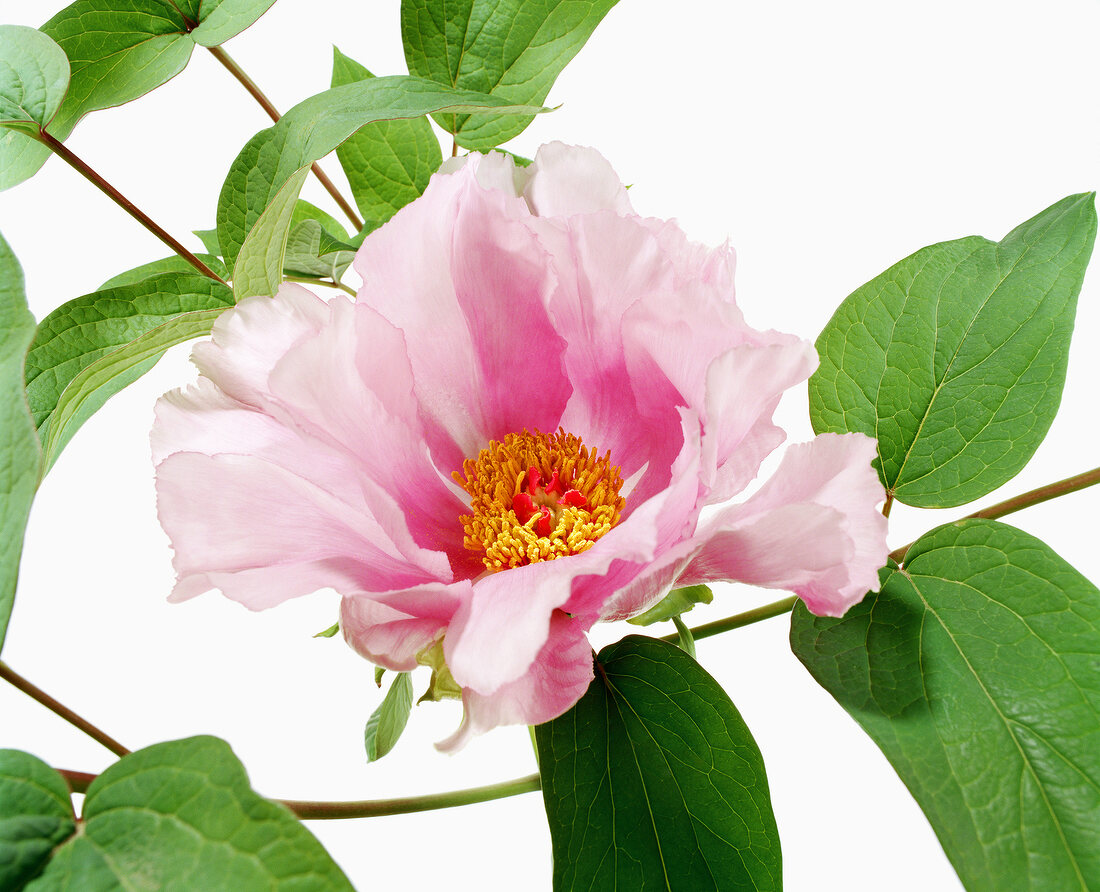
(391, 629)
(567, 180)
(813, 528)
(250, 339)
(263, 534)
(555, 680)
(463, 278)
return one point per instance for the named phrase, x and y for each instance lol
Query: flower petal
(391, 629)
(567, 180)
(463, 278)
(555, 680)
(813, 528)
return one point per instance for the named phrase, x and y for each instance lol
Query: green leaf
(91, 347)
(329, 632)
(388, 163)
(209, 239)
(311, 130)
(20, 453)
(36, 814)
(259, 266)
(34, 74)
(386, 723)
(677, 601)
(171, 264)
(955, 358)
(181, 815)
(379, 671)
(220, 20)
(312, 251)
(118, 50)
(653, 781)
(975, 671)
(513, 49)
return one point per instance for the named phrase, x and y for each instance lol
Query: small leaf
(379, 671)
(34, 74)
(219, 20)
(514, 49)
(88, 349)
(36, 815)
(20, 453)
(329, 632)
(386, 723)
(317, 244)
(388, 163)
(181, 815)
(171, 264)
(209, 239)
(653, 781)
(311, 130)
(975, 671)
(955, 358)
(677, 601)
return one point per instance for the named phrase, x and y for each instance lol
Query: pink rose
(512, 434)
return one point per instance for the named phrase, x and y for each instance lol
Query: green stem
(308, 281)
(778, 608)
(59, 149)
(256, 93)
(36, 693)
(372, 808)
(1024, 500)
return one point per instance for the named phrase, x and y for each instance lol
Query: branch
(370, 808)
(777, 608)
(59, 149)
(1025, 500)
(36, 693)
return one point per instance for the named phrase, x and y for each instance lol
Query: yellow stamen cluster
(501, 472)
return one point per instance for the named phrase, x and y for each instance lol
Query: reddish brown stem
(256, 93)
(36, 693)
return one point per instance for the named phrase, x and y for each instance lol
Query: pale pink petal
(494, 170)
(555, 680)
(391, 629)
(350, 386)
(225, 514)
(813, 528)
(463, 278)
(567, 180)
(249, 339)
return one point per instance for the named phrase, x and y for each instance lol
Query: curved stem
(1024, 500)
(371, 808)
(777, 608)
(256, 93)
(59, 149)
(325, 282)
(36, 693)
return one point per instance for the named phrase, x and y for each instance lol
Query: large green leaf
(118, 50)
(36, 814)
(653, 781)
(311, 130)
(20, 454)
(388, 163)
(955, 358)
(975, 670)
(91, 347)
(173, 263)
(514, 49)
(181, 816)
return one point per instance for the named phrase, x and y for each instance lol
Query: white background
(826, 141)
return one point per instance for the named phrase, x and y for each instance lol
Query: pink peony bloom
(512, 434)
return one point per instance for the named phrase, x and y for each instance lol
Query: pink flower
(512, 434)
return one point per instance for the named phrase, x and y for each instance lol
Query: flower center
(537, 497)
